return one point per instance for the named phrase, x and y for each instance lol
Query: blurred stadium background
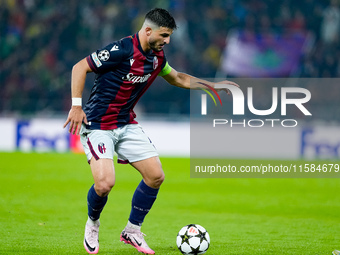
(40, 41)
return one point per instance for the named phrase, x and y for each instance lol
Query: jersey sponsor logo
(131, 61)
(104, 55)
(136, 78)
(155, 62)
(96, 60)
(114, 48)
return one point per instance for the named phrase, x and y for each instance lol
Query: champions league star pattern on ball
(193, 239)
(123, 73)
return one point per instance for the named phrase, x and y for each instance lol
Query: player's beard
(154, 45)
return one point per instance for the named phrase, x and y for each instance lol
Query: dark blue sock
(142, 202)
(95, 204)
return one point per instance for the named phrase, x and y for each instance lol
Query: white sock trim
(133, 226)
(93, 223)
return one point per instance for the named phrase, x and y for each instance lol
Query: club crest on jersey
(155, 63)
(101, 148)
(104, 55)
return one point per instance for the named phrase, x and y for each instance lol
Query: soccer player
(124, 71)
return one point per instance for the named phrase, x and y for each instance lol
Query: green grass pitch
(43, 209)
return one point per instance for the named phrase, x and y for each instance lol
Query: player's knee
(104, 187)
(158, 179)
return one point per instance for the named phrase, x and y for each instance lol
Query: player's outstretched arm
(76, 115)
(187, 81)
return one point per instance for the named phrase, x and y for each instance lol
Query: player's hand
(229, 83)
(75, 117)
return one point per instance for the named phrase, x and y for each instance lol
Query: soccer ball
(193, 239)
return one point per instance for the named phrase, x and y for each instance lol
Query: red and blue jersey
(123, 73)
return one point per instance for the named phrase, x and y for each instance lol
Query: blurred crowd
(40, 41)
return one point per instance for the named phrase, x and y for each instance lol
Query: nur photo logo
(284, 96)
(204, 97)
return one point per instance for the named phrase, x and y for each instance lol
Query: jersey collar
(140, 47)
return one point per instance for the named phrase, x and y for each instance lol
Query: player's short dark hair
(161, 18)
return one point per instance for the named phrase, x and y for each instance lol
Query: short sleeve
(107, 58)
